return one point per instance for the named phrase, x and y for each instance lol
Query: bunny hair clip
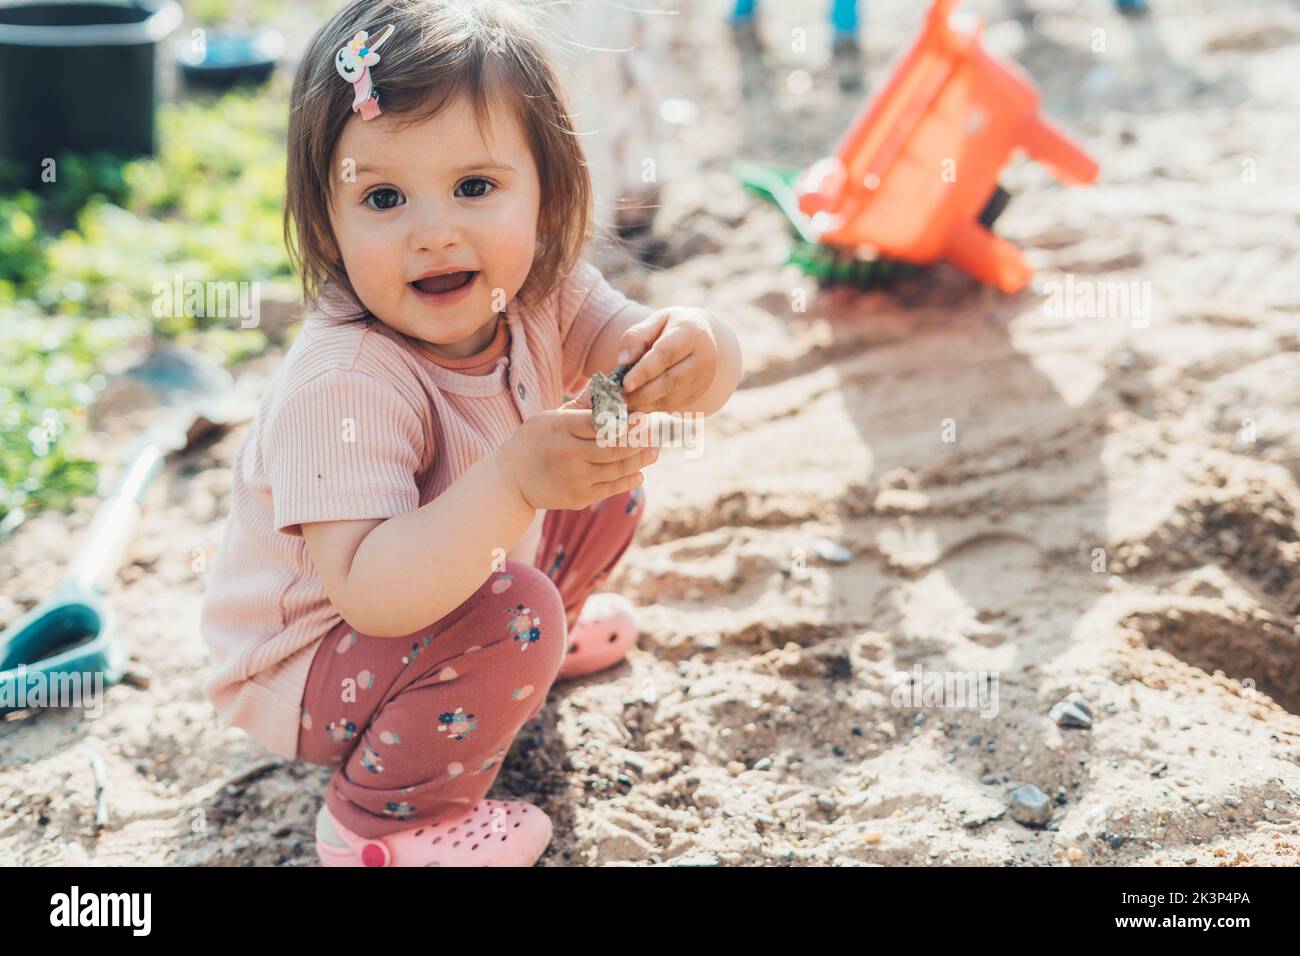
(354, 62)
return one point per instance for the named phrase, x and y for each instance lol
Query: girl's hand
(555, 462)
(679, 367)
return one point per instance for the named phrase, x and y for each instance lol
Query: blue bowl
(227, 57)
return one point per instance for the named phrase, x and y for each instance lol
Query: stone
(1073, 711)
(607, 397)
(831, 551)
(1030, 806)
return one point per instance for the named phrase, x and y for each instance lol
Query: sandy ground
(1117, 517)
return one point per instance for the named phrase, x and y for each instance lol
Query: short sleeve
(343, 446)
(585, 303)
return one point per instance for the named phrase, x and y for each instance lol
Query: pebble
(989, 779)
(763, 764)
(972, 823)
(1030, 806)
(137, 676)
(1074, 854)
(1116, 841)
(873, 836)
(1073, 711)
(1159, 769)
(831, 551)
(707, 797)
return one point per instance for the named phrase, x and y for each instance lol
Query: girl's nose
(434, 226)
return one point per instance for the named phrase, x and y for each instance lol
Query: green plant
(206, 208)
(21, 260)
(48, 376)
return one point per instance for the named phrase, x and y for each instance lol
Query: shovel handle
(116, 519)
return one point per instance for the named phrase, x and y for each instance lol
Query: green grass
(81, 257)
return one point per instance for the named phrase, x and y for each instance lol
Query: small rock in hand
(607, 394)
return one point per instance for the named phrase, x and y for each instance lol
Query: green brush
(829, 265)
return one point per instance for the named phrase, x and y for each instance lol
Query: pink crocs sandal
(491, 833)
(601, 636)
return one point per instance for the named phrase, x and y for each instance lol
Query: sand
(1117, 517)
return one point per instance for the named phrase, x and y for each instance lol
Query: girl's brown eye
(474, 184)
(390, 198)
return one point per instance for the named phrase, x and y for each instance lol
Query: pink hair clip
(354, 62)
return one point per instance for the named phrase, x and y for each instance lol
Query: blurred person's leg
(844, 17)
(846, 53)
(609, 58)
(743, 22)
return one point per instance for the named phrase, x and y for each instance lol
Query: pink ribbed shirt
(359, 422)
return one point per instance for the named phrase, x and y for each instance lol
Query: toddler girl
(421, 509)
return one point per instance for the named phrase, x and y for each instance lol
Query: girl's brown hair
(488, 50)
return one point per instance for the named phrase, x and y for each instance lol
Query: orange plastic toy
(915, 176)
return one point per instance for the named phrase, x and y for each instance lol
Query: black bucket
(79, 77)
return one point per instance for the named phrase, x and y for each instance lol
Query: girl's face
(432, 197)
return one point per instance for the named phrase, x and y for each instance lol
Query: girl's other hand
(679, 366)
(555, 462)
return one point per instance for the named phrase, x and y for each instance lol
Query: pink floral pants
(418, 725)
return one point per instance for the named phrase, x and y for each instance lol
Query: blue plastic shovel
(62, 642)
(73, 632)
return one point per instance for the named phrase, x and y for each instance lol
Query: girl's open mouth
(443, 287)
